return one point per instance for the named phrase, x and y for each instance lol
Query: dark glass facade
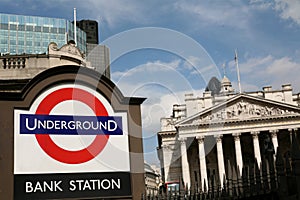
(90, 27)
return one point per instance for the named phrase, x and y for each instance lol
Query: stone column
(202, 159)
(274, 139)
(256, 147)
(220, 158)
(238, 151)
(166, 161)
(185, 164)
(291, 133)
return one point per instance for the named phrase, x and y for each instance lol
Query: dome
(225, 81)
(226, 85)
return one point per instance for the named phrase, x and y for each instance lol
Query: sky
(163, 49)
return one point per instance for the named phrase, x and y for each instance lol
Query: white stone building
(152, 180)
(206, 133)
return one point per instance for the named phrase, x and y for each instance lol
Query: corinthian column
(256, 147)
(184, 163)
(274, 139)
(220, 157)
(291, 133)
(238, 151)
(166, 161)
(202, 159)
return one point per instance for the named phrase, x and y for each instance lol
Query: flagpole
(238, 70)
(75, 34)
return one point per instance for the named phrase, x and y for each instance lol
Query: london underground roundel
(70, 128)
(47, 144)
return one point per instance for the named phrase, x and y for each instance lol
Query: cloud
(152, 67)
(254, 64)
(289, 9)
(192, 62)
(142, 79)
(283, 67)
(216, 12)
(269, 70)
(162, 83)
(261, 4)
(151, 115)
(115, 11)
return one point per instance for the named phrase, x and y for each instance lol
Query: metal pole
(238, 70)
(75, 34)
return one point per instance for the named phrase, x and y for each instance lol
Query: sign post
(69, 134)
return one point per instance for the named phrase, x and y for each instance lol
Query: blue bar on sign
(70, 125)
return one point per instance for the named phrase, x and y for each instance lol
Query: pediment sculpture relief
(243, 110)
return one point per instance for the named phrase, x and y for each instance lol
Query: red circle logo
(49, 146)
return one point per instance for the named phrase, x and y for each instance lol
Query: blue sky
(164, 49)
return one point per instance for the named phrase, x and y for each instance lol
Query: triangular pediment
(242, 107)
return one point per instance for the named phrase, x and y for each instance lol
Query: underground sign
(70, 143)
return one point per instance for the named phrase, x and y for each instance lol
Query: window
(13, 27)
(13, 33)
(21, 50)
(37, 29)
(37, 35)
(13, 48)
(4, 18)
(29, 35)
(46, 29)
(4, 41)
(45, 44)
(61, 30)
(12, 42)
(21, 34)
(21, 42)
(21, 20)
(61, 37)
(4, 33)
(29, 50)
(3, 49)
(13, 18)
(29, 28)
(53, 30)
(4, 26)
(28, 43)
(21, 27)
(53, 37)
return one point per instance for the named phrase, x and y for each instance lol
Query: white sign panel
(70, 129)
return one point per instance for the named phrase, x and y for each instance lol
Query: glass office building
(31, 34)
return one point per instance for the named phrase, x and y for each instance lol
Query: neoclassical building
(207, 134)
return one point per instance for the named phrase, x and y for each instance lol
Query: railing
(14, 62)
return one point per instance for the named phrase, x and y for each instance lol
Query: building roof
(225, 81)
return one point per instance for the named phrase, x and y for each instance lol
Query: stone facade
(152, 180)
(206, 133)
(22, 68)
